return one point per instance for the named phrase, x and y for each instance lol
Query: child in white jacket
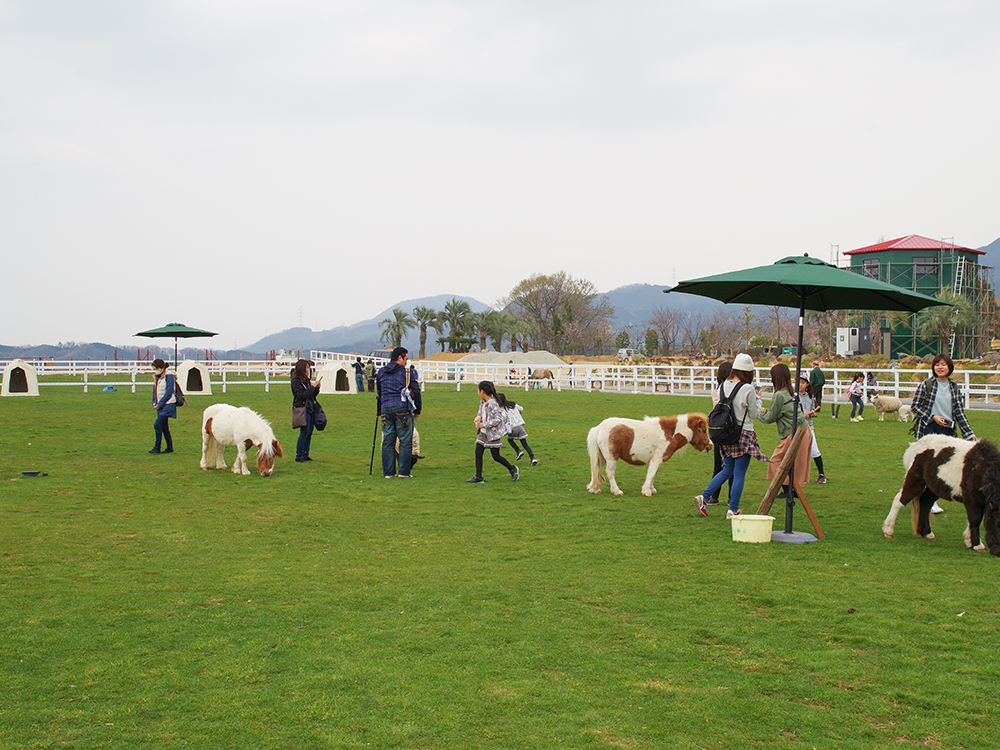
(517, 432)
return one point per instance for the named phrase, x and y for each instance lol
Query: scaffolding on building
(957, 274)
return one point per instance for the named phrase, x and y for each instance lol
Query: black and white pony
(947, 468)
(223, 425)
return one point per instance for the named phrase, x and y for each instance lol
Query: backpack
(179, 394)
(723, 429)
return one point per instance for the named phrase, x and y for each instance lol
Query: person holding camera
(304, 405)
(938, 405)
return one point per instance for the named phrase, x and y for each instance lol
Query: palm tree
(394, 328)
(939, 321)
(499, 326)
(456, 314)
(481, 324)
(424, 317)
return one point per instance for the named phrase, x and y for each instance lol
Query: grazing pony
(938, 466)
(651, 441)
(223, 425)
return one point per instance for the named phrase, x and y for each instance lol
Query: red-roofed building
(930, 266)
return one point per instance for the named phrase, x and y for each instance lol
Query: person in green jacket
(780, 413)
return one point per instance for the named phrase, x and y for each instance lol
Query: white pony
(223, 425)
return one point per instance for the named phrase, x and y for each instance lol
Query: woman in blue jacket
(165, 404)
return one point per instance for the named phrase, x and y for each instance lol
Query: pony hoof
(980, 548)
(887, 534)
(648, 494)
(930, 536)
(594, 490)
(617, 492)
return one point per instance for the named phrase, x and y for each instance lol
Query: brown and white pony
(650, 441)
(223, 425)
(948, 468)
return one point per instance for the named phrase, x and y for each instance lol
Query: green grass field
(146, 603)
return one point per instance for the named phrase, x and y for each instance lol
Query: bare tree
(667, 323)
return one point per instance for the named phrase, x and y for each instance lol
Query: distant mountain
(636, 303)
(364, 336)
(80, 351)
(992, 257)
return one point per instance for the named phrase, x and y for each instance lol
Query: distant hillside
(992, 257)
(80, 351)
(636, 303)
(364, 336)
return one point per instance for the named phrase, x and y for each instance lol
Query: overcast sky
(248, 166)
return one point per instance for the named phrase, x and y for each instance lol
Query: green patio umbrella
(176, 331)
(807, 284)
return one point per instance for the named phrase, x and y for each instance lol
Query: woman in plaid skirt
(736, 458)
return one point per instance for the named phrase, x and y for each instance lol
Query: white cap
(743, 362)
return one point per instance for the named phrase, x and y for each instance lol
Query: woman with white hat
(736, 458)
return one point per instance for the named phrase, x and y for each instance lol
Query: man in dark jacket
(395, 407)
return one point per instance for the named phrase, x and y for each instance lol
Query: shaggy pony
(223, 425)
(638, 442)
(948, 468)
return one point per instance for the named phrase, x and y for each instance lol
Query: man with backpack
(730, 425)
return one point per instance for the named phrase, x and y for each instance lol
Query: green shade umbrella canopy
(807, 284)
(176, 331)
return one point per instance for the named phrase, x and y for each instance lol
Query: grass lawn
(146, 603)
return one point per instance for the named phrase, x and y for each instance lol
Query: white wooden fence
(981, 387)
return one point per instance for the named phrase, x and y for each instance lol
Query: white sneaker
(936, 508)
(731, 514)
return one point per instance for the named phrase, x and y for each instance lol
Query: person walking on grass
(856, 392)
(736, 458)
(721, 376)
(491, 426)
(810, 407)
(165, 404)
(515, 419)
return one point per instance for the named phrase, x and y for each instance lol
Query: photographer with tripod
(396, 412)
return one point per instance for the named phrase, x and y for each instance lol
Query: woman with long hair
(304, 392)
(781, 412)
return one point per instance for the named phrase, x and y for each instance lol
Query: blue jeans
(360, 379)
(735, 468)
(161, 427)
(397, 422)
(305, 437)
(857, 405)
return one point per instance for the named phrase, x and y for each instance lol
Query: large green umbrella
(176, 331)
(807, 284)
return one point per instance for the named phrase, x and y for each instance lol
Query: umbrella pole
(790, 498)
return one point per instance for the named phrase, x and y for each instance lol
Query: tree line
(567, 316)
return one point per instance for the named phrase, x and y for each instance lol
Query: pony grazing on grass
(223, 425)
(651, 441)
(938, 466)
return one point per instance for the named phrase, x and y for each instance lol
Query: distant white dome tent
(194, 378)
(19, 379)
(337, 376)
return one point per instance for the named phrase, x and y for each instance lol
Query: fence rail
(981, 388)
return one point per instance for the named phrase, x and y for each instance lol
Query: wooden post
(783, 470)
